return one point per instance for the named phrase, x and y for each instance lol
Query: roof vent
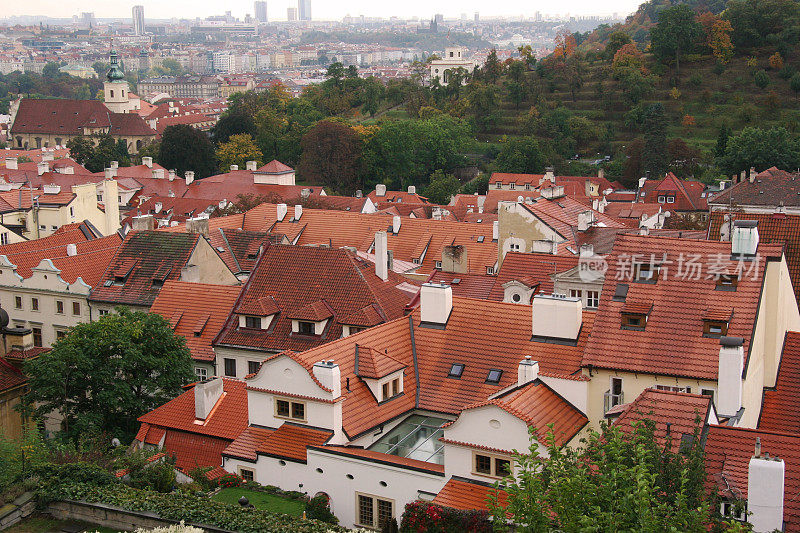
(621, 292)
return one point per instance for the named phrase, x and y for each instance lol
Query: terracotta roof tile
(315, 311)
(192, 450)
(10, 377)
(689, 195)
(468, 495)
(375, 364)
(290, 441)
(780, 409)
(534, 268)
(466, 285)
(772, 187)
(246, 444)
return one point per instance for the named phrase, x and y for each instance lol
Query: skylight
(494, 376)
(456, 370)
(480, 237)
(417, 437)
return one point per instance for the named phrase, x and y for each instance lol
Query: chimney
(556, 317)
(549, 174)
(359, 193)
(380, 190)
(234, 168)
(206, 396)
(382, 255)
(753, 174)
(527, 371)
(252, 165)
(158, 173)
(148, 162)
(765, 491)
(585, 220)
(114, 164)
(47, 156)
(282, 209)
(172, 175)
(412, 189)
(328, 373)
(158, 207)
(198, 225)
(436, 303)
(143, 222)
(729, 376)
(305, 192)
(601, 174)
(495, 230)
(72, 249)
(551, 193)
(744, 240)
(189, 176)
(49, 188)
(298, 212)
(42, 167)
(742, 176)
(11, 163)
(642, 181)
(587, 250)
(396, 222)
(454, 259)
(68, 170)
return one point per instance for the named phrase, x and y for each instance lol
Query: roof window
(727, 282)
(494, 376)
(456, 370)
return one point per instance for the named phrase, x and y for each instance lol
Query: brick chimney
(382, 255)
(206, 396)
(729, 376)
(328, 373)
(556, 317)
(765, 491)
(436, 304)
(527, 371)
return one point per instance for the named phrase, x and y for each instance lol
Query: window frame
(225, 362)
(593, 299)
(17, 302)
(59, 307)
(292, 404)
(34, 303)
(499, 376)
(37, 337)
(375, 523)
(627, 321)
(241, 470)
(76, 309)
(250, 322)
(201, 372)
(459, 374)
(495, 459)
(302, 323)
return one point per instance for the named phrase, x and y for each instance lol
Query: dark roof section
(771, 187)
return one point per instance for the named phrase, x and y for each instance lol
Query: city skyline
(321, 11)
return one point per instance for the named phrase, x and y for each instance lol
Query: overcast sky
(321, 10)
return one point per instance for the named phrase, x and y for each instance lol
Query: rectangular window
(592, 298)
(103, 312)
(438, 264)
(502, 467)
(513, 186)
(4, 238)
(456, 370)
(230, 367)
(59, 307)
(17, 302)
(670, 199)
(305, 328)
(490, 271)
(283, 408)
(727, 282)
(76, 308)
(715, 328)
(60, 334)
(37, 337)
(575, 293)
(252, 367)
(494, 376)
(35, 304)
(290, 409)
(672, 388)
(298, 410)
(385, 391)
(201, 372)
(491, 465)
(252, 322)
(646, 272)
(395, 386)
(373, 512)
(247, 474)
(633, 321)
(483, 464)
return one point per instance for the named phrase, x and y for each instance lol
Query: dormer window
(634, 321)
(513, 186)
(456, 371)
(438, 264)
(670, 199)
(252, 322)
(527, 186)
(727, 282)
(390, 389)
(715, 328)
(661, 199)
(646, 272)
(499, 185)
(494, 375)
(305, 328)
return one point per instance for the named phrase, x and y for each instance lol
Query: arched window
(447, 76)
(112, 93)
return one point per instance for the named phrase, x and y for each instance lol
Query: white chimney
(234, 168)
(282, 209)
(744, 240)
(396, 221)
(587, 250)
(49, 188)
(206, 396)
(305, 192)
(11, 163)
(72, 249)
(189, 176)
(158, 173)
(359, 193)
(48, 156)
(495, 230)
(42, 167)
(298, 212)
(172, 175)
(252, 165)
(729, 376)
(114, 164)
(143, 222)
(585, 220)
(642, 181)
(158, 207)
(550, 175)
(328, 373)
(556, 317)
(148, 162)
(753, 174)
(412, 189)
(436, 303)
(601, 174)
(382, 255)
(109, 173)
(527, 371)
(380, 190)
(765, 491)
(68, 170)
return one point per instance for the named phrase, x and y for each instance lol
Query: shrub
(696, 80)
(318, 508)
(229, 480)
(787, 72)
(428, 517)
(159, 477)
(761, 79)
(76, 472)
(199, 476)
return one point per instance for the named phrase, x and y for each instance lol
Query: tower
(138, 20)
(304, 9)
(261, 11)
(115, 88)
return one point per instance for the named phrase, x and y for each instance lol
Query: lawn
(262, 500)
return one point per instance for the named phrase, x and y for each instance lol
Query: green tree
(521, 155)
(616, 40)
(722, 140)
(615, 481)
(336, 73)
(331, 156)
(373, 95)
(483, 102)
(677, 32)
(51, 70)
(757, 22)
(238, 151)
(762, 149)
(98, 151)
(441, 188)
(235, 121)
(654, 153)
(794, 84)
(492, 68)
(105, 374)
(184, 148)
(761, 79)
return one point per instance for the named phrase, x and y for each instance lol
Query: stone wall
(14, 512)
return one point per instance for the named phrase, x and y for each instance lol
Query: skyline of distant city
(321, 11)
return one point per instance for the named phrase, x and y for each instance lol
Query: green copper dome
(115, 72)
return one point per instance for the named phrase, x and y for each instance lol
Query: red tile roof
(201, 311)
(682, 413)
(24, 355)
(689, 195)
(275, 167)
(245, 445)
(10, 377)
(679, 304)
(230, 185)
(561, 214)
(772, 187)
(238, 248)
(468, 285)
(374, 364)
(192, 450)
(129, 124)
(66, 117)
(468, 495)
(533, 269)
(780, 409)
(290, 441)
(728, 451)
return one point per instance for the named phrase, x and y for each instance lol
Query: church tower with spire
(115, 88)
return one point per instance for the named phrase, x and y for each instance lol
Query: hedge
(427, 517)
(188, 507)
